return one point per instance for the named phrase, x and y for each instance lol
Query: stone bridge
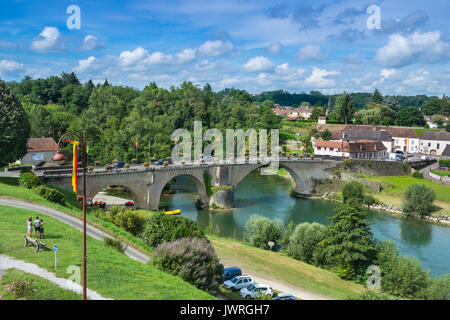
(215, 182)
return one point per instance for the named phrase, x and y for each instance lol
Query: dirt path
(276, 284)
(7, 262)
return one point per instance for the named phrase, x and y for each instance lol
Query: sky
(256, 45)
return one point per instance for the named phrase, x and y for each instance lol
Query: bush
(304, 243)
(90, 168)
(146, 164)
(353, 193)
(371, 295)
(193, 260)
(345, 271)
(127, 165)
(29, 180)
(22, 288)
(116, 244)
(126, 219)
(50, 194)
(439, 288)
(445, 162)
(165, 228)
(107, 167)
(418, 200)
(417, 175)
(261, 230)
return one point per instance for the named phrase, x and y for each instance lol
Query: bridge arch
(92, 192)
(155, 190)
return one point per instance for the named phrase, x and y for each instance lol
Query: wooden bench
(34, 242)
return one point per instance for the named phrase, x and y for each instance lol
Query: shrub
(444, 162)
(371, 295)
(146, 164)
(107, 167)
(29, 180)
(193, 260)
(418, 200)
(417, 175)
(126, 219)
(165, 163)
(116, 244)
(164, 228)
(345, 271)
(51, 194)
(261, 230)
(353, 193)
(90, 168)
(127, 165)
(22, 288)
(439, 288)
(368, 200)
(287, 234)
(304, 243)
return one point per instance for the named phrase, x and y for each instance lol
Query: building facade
(434, 143)
(40, 150)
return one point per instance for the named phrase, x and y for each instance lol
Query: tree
(439, 288)
(317, 112)
(304, 243)
(418, 200)
(410, 117)
(377, 97)
(353, 193)
(438, 119)
(14, 127)
(261, 230)
(348, 240)
(344, 107)
(437, 106)
(447, 127)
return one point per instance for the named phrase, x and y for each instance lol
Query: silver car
(239, 282)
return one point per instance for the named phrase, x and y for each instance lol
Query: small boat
(173, 212)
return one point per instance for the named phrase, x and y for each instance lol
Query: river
(268, 196)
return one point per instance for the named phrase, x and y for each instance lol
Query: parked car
(230, 273)
(393, 156)
(410, 154)
(284, 296)
(239, 282)
(118, 164)
(254, 291)
(129, 203)
(160, 162)
(425, 157)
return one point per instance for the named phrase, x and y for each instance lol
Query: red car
(129, 203)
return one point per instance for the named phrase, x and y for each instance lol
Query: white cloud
(47, 40)
(84, 65)
(386, 73)
(186, 55)
(129, 58)
(417, 47)
(90, 43)
(321, 78)
(275, 48)
(10, 66)
(310, 53)
(158, 58)
(215, 48)
(258, 64)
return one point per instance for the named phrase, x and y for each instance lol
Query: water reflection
(416, 232)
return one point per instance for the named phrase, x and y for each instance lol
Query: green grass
(109, 272)
(285, 269)
(12, 181)
(441, 173)
(73, 208)
(42, 289)
(394, 187)
(421, 131)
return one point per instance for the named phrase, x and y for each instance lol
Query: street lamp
(60, 157)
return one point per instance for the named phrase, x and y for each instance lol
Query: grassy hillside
(109, 272)
(42, 289)
(285, 269)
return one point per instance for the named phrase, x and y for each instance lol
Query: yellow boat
(173, 212)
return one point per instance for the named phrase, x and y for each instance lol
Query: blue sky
(254, 45)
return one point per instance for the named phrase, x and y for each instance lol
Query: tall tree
(14, 127)
(377, 97)
(344, 107)
(410, 117)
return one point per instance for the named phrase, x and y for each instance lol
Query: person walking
(37, 227)
(29, 226)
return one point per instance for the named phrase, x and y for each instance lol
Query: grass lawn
(394, 187)
(285, 269)
(42, 289)
(109, 272)
(12, 190)
(421, 131)
(441, 173)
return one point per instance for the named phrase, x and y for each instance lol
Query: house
(404, 139)
(39, 150)
(304, 112)
(281, 111)
(362, 133)
(364, 149)
(322, 120)
(434, 143)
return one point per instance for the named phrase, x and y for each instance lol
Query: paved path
(276, 284)
(74, 222)
(7, 262)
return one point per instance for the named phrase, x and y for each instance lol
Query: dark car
(284, 296)
(118, 164)
(230, 273)
(160, 162)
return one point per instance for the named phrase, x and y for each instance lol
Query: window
(396, 141)
(319, 148)
(437, 146)
(331, 149)
(412, 142)
(429, 144)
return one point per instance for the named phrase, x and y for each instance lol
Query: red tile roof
(41, 144)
